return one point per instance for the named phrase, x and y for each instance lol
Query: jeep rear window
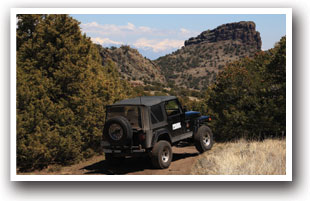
(157, 115)
(131, 113)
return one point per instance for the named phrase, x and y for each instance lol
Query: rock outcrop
(198, 62)
(243, 31)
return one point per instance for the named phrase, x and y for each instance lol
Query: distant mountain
(197, 63)
(132, 65)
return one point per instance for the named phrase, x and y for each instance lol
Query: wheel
(203, 139)
(118, 131)
(161, 155)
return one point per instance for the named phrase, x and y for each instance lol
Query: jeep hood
(192, 114)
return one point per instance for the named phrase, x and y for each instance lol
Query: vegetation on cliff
(197, 63)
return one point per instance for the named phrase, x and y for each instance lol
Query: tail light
(141, 137)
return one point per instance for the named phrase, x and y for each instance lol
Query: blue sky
(157, 35)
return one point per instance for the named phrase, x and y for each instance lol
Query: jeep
(151, 125)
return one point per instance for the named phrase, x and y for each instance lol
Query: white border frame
(286, 11)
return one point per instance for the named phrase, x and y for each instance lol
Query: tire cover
(121, 126)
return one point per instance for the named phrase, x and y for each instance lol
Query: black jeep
(152, 124)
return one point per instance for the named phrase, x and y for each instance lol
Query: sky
(157, 35)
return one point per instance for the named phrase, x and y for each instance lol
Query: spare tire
(118, 131)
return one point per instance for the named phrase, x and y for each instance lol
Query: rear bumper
(108, 148)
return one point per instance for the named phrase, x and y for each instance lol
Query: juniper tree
(248, 97)
(62, 90)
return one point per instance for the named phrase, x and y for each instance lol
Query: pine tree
(62, 91)
(248, 98)
(276, 70)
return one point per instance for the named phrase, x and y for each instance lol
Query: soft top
(144, 100)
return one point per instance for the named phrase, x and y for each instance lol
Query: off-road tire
(203, 139)
(161, 155)
(124, 124)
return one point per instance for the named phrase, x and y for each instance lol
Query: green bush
(248, 98)
(62, 90)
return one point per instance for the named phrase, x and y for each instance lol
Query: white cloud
(130, 26)
(145, 29)
(93, 24)
(103, 41)
(184, 31)
(158, 45)
(114, 30)
(143, 43)
(149, 39)
(130, 29)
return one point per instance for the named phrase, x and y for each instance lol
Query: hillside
(197, 63)
(132, 65)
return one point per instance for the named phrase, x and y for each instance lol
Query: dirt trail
(183, 159)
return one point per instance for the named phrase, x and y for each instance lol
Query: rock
(243, 31)
(198, 62)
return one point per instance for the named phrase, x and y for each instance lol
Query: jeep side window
(172, 108)
(156, 115)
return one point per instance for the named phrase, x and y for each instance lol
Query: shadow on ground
(129, 165)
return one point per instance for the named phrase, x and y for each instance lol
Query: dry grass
(243, 158)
